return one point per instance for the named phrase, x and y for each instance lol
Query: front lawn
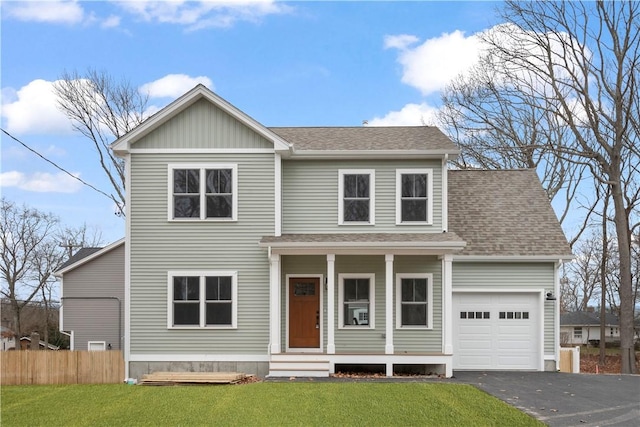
(301, 404)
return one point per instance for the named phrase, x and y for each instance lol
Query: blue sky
(283, 63)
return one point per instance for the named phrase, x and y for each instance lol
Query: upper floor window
(414, 301)
(202, 299)
(414, 196)
(203, 191)
(357, 301)
(356, 203)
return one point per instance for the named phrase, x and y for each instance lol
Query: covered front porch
(360, 299)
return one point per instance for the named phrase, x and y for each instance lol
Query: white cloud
(197, 15)
(409, 115)
(33, 110)
(174, 85)
(52, 11)
(112, 21)
(431, 65)
(401, 41)
(41, 182)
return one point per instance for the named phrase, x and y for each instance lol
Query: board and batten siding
(522, 276)
(203, 125)
(159, 246)
(360, 340)
(93, 300)
(310, 196)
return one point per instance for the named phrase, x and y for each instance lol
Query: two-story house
(290, 251)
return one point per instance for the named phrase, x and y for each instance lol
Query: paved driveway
(559, 399)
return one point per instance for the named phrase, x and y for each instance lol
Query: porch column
(447, 304)
(275, 305)
(331, 274)
(388, 294)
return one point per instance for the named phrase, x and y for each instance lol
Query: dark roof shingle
(82, 253)
(503, 212)
(366, 138)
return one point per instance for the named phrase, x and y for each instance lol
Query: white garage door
(497, 331)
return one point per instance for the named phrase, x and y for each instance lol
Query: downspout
(105, 298)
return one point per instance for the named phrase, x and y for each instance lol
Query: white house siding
(370, 340)
(310, 196)
(203, 125)
(158, 245)
(99, 312)
(509, 276)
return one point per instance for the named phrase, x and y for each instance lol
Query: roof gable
(504, 213)
(124, 144)
(85, 255)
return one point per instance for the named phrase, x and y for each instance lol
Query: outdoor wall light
(550, 296)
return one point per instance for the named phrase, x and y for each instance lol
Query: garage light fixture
(550, 296)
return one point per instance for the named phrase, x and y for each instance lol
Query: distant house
(7, 339)
(582, 327)
(25, 344)
(92, 297)
(291, 251)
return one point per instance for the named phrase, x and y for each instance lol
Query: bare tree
(31, 252)
(573, 69)
(102, 109)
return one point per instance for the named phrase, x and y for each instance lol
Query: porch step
(287, 365)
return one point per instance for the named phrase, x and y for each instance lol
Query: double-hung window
(356, 199)
(414, 200)
(356, 300)
(414, 301)
(199, 192)
(202, 299)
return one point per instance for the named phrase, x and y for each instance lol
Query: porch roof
(365, 243)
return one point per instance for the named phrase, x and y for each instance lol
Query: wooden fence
(570, 360)
(61, 367)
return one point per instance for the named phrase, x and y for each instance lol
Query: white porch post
(388, 347)
(331, 273)
(275, 309)
(447, 303)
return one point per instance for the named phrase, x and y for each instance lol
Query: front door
(304, 312)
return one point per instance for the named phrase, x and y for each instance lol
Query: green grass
(609, 351)
(297, 404)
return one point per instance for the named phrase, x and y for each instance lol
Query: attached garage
(497, 331)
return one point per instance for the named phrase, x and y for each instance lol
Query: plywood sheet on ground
(176, 378)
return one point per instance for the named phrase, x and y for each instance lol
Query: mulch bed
(588, 363)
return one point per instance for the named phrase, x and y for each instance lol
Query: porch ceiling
(364, 243)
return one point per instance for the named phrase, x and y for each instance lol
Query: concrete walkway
(559, 399)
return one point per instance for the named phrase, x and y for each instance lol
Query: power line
(109, 196)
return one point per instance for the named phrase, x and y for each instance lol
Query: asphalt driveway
(560, 399)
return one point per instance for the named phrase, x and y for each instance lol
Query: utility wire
(110, 197)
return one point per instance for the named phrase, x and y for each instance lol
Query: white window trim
(372, 195)
(203, 205)
(429, 278)
(372, 300)
(101, 343)
(202, 274)
(429, 173)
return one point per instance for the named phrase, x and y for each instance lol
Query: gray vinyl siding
(159, 245)
(534, 276)
(93, 300)
(310, 196)
(416, 340)
(203, 125)
(370, 340)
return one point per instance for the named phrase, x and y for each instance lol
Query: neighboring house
(292, 251)
(7, 339)
(582, 327)
(92, 298)
(25, 344)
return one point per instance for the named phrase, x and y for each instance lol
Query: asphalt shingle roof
(503, 212)
(586, 318)
(82, 253)
(366, 138)
(373, 238)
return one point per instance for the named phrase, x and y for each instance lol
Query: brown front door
(304, 312)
